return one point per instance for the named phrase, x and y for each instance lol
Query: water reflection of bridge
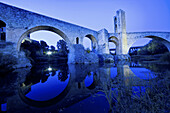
(76, 89)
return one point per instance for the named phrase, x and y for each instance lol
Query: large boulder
(22, 61)
(122, 57)
(11, 58)
(106, 58)
(79, 55)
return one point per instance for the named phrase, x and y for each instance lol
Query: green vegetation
(152, 48)
(62, 48)
(153, 52)
(165, 58)
(150, 98)
(6, 63)
(40, 52)
(88, 50)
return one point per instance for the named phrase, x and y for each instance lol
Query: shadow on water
(121, 87)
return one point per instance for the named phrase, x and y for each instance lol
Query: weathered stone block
(106, 58)
(79, 55)
(7, 48)
(122, 57)
(22, 61)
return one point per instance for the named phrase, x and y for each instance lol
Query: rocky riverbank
(157, 59)
(11, 59)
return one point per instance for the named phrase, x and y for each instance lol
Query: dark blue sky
(141, 15)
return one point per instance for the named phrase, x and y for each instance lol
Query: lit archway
(2, 31)
(49, 37)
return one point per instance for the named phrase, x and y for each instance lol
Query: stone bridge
(17, 24)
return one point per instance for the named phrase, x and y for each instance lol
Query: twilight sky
(141, 15)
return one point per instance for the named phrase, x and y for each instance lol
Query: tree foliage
(37, 52)
(6, 63)
(44, 45)
(62, 47)
(152, 48)
(33, 49)
(52, 48)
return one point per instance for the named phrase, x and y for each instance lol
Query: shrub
(6, 62)
(88, 50)
(165, 57)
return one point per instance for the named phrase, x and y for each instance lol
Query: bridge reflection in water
(73, 88)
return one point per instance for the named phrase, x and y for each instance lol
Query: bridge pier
(103, 44)
(120, 29)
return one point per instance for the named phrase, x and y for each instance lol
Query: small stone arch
(2, 30)
(115, 41)
(37, 28)
(93, 42)
(160, 39)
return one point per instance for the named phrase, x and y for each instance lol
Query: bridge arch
(114, 40)
(93, 42)
(161, 39)
(37, 28)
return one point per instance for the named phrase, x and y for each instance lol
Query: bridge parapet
(164, 35)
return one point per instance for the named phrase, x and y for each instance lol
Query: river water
(121, 87)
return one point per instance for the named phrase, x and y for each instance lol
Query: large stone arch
(93, 42)
(37, 28)
(164, 39)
